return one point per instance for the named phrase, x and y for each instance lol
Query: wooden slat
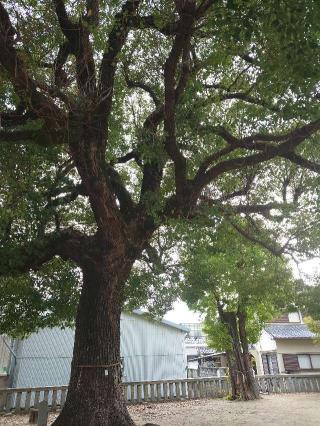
(171, 393)
(165, 391)
(125, 392)
(214, 388)
(9, 398)
(194, 389)
(190, 389)
(146, 392)
(152, 391)
(139, 393)
(202, 391)
(28, 401)
(178, 391)
(290, 362)
(54, 400)
(36, 399)
(18, 402)
(282, 387)
(46, 395)
(159, 392)
(184, 389)
(291, 384)
(3, 397)
(132, 400)
(63, 397)
(197, 388)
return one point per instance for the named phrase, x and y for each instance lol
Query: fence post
(43, 413)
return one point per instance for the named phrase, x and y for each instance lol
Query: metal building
(150, 349)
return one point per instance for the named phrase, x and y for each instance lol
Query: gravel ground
(276, 410)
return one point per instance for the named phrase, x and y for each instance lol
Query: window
(294, 317)
(270, 366)
(270, 363)
(304, 361)
(315, 359)
(309, 361)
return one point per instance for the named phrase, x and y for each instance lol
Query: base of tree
(94, 416)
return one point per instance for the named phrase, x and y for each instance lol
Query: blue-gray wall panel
(151, 351)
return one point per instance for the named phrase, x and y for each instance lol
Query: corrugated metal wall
(151, 351)
(44, 358)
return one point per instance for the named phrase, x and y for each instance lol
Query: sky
(182, 314)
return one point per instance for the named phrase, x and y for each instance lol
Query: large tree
(119, 116)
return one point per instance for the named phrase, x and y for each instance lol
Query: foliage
(225, 269)
(40, 299)
(308, 300)
(314, 326)
(308, 297)
(245, 120)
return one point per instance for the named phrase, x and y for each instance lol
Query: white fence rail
(22, 399)
(289, 383)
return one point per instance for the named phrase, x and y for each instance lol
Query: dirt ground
(276, 410)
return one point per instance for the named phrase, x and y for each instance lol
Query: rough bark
(243, 384)
(232, 375)
(253, 391)
(95, 396)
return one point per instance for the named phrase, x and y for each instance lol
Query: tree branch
(127, 205)
(181, 46)
(16, 117)
(238, 193)
(25, 86)
(140, 85)
(72, 195)
(274, 249)
(116, 41)
(79, 45)
(212, 158)
(67, 243)
(302, 162)
(255, 141)
(268, 151)
(39, 137)
(92, 16)
(242, 96)
(141, 22)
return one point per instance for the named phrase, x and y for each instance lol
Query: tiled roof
(289, 331)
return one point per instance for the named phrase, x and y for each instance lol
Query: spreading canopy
(117, 117)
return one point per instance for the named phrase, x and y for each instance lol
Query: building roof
(199, 340)
(289, 331)
(161, 321)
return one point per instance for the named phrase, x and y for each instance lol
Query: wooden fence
(22, 399)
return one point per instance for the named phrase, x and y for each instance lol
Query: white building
(287, 346)
(150, 350)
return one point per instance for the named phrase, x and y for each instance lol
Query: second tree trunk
(242, 379)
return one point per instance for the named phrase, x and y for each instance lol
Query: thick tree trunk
(94, 396)
(253, 391)
(233, 375)
(241, 375)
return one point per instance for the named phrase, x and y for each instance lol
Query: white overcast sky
(181, 314)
